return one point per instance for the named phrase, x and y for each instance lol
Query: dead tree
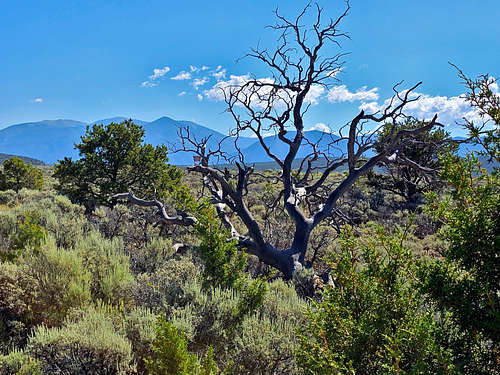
(279, 105)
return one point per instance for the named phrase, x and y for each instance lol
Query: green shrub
(8, 224)
(467, 282)
(171, 356)
(62, 219)
(8, 198)
(17, 293)
(17, 174)
(28, 235)
(136, 325)
(223, 263)
(110, 269)
(90, 345)
(164, 289)
(258, 341)
(152, 256)
(306, 282)
(18, 363)
(282, 303)
(264, 346)
(140, 331)
(266, 343)
(56, 214)
(208, 317)
(372, 321)
(465, 285)
(60, 282)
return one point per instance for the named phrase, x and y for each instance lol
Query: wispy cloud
(182, 76)
(195, 69)
(148, 84)
(199, 82)
(339, 94)
(182, 93)
(200, 97)
(157, 74)
(219, 74)
(36, 100)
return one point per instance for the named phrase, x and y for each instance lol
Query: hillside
(4, 157)
(52, 140)
(47, 140)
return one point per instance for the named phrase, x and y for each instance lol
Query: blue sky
(89, 60)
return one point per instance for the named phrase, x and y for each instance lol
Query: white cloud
(182, 93)
(157, 74)
(494, 87)
(222, 88)
(219, 74)
(182, 76)
(264, 135)
(314, 94)
(258, 97)
(195, 69)
(200, 97)
(321, 127)
(370, 107)
(217, 91)
(449, 109)
(339, 94)
(36, 100)
(199, 82)
(148, 84)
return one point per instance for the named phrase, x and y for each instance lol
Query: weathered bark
(278, 105)
(178, 220)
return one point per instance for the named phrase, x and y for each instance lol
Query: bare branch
(164, 217)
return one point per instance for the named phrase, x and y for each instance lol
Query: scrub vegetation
(384, 259)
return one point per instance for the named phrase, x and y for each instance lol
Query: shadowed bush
(90, 345)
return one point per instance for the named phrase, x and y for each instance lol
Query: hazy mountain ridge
(4, 157)
(52, 140)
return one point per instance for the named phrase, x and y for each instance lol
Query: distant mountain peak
(52, 140)
(59, 123)
(164, 118)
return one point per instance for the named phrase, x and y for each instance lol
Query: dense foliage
(114, 159)
(371, 321)
(171, 356)
(17, 174)
(467, 281)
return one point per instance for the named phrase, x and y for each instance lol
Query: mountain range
(52, 140)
